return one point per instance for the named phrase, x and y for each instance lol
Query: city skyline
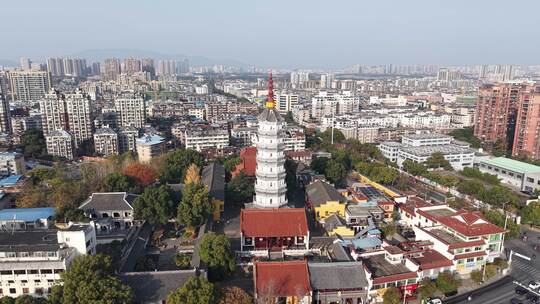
(280, 34)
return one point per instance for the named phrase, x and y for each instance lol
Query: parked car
(515, 301)
(520, 290)
(534, 285)
(434, 301)
(532, 298)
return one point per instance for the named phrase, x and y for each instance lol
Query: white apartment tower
(72, 112)
(130, 110)
(270, 187)
(79, 114)
(106, 142)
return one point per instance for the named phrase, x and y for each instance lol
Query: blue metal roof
(26, 214)
(10, 180)
(369, 242)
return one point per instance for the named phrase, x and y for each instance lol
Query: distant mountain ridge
(101, 54)
(8, 63)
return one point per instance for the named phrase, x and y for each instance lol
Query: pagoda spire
(270, 102)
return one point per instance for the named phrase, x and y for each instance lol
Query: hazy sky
(281, 33)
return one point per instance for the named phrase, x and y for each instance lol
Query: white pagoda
(270, 187)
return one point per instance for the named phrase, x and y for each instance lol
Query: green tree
(392, 295)
(39, 175)
(90, 279)
(427, 289)
(467, 134)
(447, 283)
(240, 189)
(437, 160)
(7, 300)
(215, 251)
(33, 144)
(176, 163)
(498, 195)
(413, 168)
(498, 218)
(319, 164)
(530, 214)
(197, 290)
(182, 260)
(471, 187)
(289, 118)
(26, 299)
(335, 172)
(155, 205)
(236, 295)
(230, 163)
(477, 276)
(117, 182)
(290, 178)
(195, 206)
(326, 137)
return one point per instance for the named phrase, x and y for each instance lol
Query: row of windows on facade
(26, 290)
(30, 271)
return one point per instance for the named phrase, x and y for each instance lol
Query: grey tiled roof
(154, 287)
(320, 192)
(269, 114)
(337, 275)
(213, 176)
(109, 201)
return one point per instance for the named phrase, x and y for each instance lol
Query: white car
(534, 285)
(434, 301)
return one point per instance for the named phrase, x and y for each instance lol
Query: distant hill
(8, 63)
(101, 54)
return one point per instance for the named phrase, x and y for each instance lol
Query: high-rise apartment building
(166, 67)
(29, 85)
(149, 67)
(55, 66)
(182, 66)
(131, 66)
(111, 68)
(79, 116)
(71, 112)
(26, 64)
(106, 142)
(496, 110)
(5, 116)
(326, 80)
(285, 102)
(527, 134)
(298, 78)
(130, 110)
(127, 137)
(60, 143)
(74, 67)
(53, 112)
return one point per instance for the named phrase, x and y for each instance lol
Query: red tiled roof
(393, 249)
(273, 222)
(469, 255)
(300, 153)
(470, 224)
(395, 277)
(466, 244)
(248, 163)
(281, 279)
(431, 259)
(413, 203)
(383, 203)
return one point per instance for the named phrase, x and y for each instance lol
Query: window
(470, 260)
(530, 180)
(37, 281)
(50, 281)
(33, 271)
(46, 271)
(24, 281)
(477, 248)
(19, 271)
(479, 259)
(58, 270)
(411, 281)
(460, 261)
(6, 272)
(12, 290)
(248, 241)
